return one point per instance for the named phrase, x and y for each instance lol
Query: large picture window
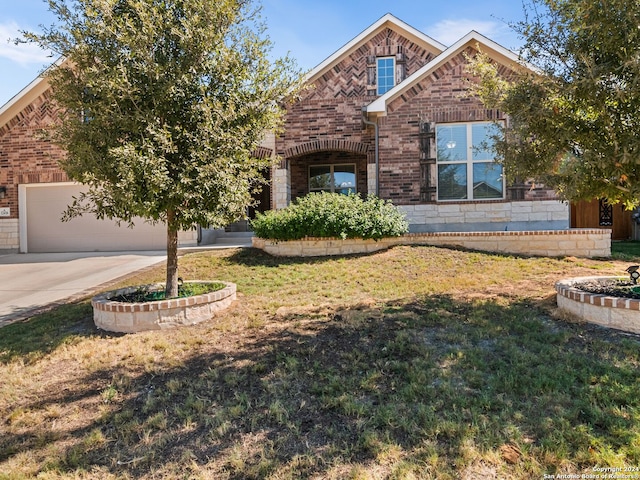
(332, 178)
(386, 74)
(466, 167)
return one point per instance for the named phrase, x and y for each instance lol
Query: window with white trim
(332, 178)
(386, 74)
(466, 167)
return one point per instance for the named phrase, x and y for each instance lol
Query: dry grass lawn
(417, 362)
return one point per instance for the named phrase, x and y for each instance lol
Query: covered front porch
(329, 165)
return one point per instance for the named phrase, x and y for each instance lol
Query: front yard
(417, 362)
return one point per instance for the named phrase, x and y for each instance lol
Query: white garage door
(45, 232)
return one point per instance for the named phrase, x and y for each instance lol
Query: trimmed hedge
(332, 215)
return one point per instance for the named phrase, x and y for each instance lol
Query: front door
(263, 198)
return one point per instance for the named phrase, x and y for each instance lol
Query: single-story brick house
(388, 113)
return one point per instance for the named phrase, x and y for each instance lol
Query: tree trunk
(171, 289)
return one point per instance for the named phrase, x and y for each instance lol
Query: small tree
(163, 103)
(575, 119)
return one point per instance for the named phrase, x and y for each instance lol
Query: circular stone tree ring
(115, 316)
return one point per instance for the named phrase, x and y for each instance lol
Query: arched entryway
(331, 165)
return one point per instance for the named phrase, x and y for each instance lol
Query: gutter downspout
(377, 155)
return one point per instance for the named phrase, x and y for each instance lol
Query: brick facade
(349, 77)
(440, 97)
(330, 116)
(26, 156)
(331, 110)
(326, 126)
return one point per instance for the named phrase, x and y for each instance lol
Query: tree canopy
(574, 115)
(164, 103)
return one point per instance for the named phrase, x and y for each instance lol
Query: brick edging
(498, 233)
(103, 303)
(509, 233)
(566, 289)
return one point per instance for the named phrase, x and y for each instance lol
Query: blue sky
(309, 30)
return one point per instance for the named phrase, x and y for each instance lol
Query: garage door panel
(46, 232)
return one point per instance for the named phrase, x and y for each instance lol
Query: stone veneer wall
(9, 236)
(281, 188)
(491, 216)
(550, 243)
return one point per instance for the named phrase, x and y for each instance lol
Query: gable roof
(26, 96)
(376, 108)
(495, 51)
(386, 21)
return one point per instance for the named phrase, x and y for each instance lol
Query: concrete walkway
(33, 281)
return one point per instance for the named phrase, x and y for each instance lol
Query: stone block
(445, 209)
(475, 215)
(567, 245)
(125, 320)
(519, 208)
(198, 313)
(497, 207)
(454, 218)
(539, 217)
(484, 245)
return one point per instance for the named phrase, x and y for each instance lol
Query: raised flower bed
(604, 309)
(119, 316)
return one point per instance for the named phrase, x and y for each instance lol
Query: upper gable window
(385, 74)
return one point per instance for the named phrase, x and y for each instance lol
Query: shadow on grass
(252, 257)
(43, 333)
(429, 385)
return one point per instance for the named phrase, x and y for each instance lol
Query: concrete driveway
(30, 282)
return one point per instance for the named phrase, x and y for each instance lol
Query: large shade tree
(574, 115)
(164, 103)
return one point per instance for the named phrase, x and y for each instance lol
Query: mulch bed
(612, 288)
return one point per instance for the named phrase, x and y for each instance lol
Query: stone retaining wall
(550, 243)
(612, 312)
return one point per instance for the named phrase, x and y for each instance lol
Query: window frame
(331, 167)
(469, 162)
(378, 76)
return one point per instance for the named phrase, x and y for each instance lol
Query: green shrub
(152, 293)
(332, 215)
